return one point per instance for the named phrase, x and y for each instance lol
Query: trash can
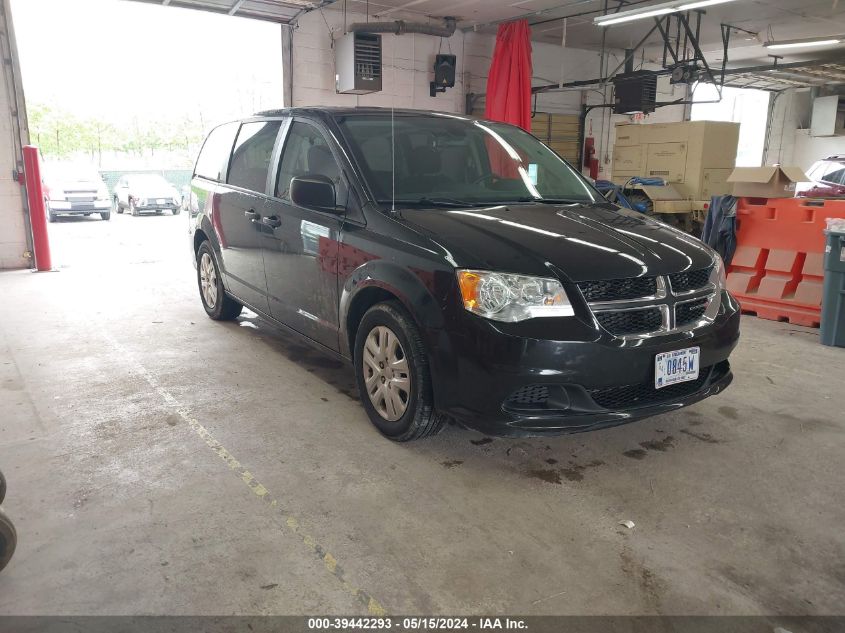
(833, 296)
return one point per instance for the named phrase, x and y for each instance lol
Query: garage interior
(161, 463)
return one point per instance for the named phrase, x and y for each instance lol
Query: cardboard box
(773, 181)
(667, 161)
(715, 183)
(627, 134)
(629, 158)
(695, 156)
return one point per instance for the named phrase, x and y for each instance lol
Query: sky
(119, 60)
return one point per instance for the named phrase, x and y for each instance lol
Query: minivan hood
(579, 242)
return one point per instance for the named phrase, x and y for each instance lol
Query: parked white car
(73, 190)
(146, 193)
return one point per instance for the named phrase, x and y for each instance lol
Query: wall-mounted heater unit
(635, 92)
(358, 63)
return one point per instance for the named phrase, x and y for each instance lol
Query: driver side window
(306, 153)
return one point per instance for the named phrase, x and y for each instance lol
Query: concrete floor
(162, 463)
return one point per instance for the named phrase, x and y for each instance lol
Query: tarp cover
(509, 79)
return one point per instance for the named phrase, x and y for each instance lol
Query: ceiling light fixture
(676, 6)
(810, 41)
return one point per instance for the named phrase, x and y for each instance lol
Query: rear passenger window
(215, 152)
(252, 155)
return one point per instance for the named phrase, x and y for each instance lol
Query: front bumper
(153, 206)
(78, 208)
(477, 367)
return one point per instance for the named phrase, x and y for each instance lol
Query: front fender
(416, 289)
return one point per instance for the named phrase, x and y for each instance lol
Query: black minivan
(464, 269)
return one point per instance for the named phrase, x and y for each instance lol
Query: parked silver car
(73, 190)
(146, 193)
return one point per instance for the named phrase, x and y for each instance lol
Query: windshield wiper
(556, 200)
(437, 202)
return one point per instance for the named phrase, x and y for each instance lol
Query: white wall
(12, 227)
(790, 142)
(407, 67)
(408, 61)
(807, 149)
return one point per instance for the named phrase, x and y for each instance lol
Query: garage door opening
(119, 105)
(745, 106)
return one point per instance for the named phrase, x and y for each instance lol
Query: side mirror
(313, 192)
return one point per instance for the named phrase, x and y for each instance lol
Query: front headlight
(511, 298)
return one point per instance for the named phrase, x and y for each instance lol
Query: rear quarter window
(215, 152)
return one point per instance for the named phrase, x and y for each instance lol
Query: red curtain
(509, 79)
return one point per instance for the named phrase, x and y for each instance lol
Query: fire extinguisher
(589, 150)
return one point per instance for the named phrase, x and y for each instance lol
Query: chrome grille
(646, 306)
(690, 311)
(618, 289)
(626, 322)
(690, 280)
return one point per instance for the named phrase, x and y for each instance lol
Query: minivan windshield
(443, 160)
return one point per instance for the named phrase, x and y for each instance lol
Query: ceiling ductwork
(400, 27)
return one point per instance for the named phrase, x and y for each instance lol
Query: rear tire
(2, 488)
(51, 217)
(175, 211)
(218, 305)
(132, 208)
(106, 215)
(392, 372)
(117, 206)
(8, 539)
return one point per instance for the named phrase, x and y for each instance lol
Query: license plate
(681, 365)
(160, 201)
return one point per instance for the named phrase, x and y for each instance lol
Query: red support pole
(37, 213)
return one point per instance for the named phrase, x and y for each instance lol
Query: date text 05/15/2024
(416, 624)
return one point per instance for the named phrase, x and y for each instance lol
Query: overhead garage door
(558, 131)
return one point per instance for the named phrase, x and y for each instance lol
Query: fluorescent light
(653, 11)
(804, 43)
(618, 19)
(700, 4)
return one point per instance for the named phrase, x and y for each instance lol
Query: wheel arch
(378, 281)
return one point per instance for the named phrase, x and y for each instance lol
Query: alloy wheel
(208, 281)
(386, 374)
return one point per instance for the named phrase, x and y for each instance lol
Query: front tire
(51, 217)
(132, 208)
(8, 539)
(106, 215)
(218, 305)
(391, 368)
(175, 211)
(117, 206)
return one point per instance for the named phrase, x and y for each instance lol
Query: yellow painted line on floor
(291, 523)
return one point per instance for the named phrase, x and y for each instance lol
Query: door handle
(272, 221)
(252, 215)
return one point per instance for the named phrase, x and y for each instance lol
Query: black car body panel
(314, 273)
